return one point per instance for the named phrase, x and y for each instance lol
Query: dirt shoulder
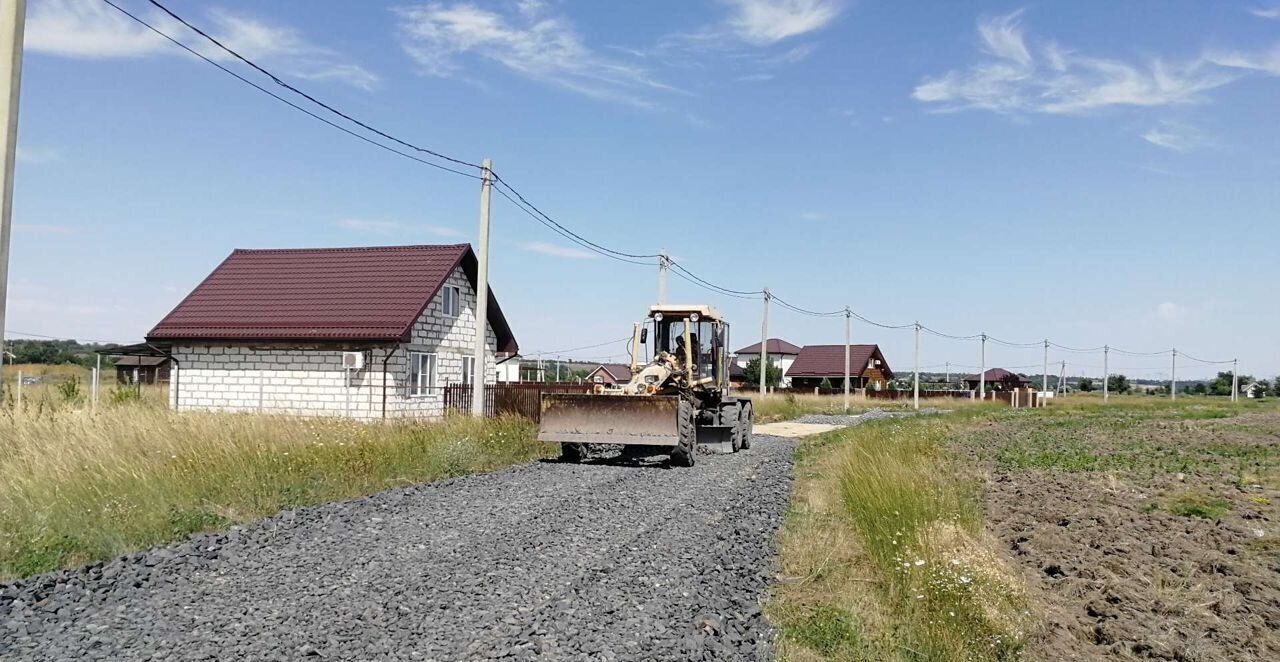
(1147, 534)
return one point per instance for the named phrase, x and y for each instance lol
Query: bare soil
(1147, 536)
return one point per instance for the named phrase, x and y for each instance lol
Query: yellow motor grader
(676, 402)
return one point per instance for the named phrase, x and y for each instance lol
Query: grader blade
(585, 418)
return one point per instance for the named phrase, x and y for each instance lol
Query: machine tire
(684, 454)
(573, 452)
(744, 423)
(735, 440)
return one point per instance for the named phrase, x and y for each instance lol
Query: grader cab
(676, 401)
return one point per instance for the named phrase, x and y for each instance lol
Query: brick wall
(309, 380)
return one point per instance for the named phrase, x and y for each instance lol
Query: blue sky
(1091, 172)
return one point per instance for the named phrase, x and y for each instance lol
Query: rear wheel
(683, 454)
(744, 424)
(573, 452)
(735, 439)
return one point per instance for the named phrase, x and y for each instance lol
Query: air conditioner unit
(352, 360)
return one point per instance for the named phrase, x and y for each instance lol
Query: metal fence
(522, 399)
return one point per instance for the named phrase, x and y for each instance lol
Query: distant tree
(826, 383)
(1221, 385)
(772, 375)
(1199, 388)
(1085, 384)
(1118, 384)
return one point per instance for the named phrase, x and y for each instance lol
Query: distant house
(610, 373)
(780, 353)
(360, 332)
(143, 369)
(1251, 390)
(998, 379)
(815, 363)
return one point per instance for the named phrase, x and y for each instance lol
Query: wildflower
(955, 561)
(920, 597)
(919, 562)
(964, 579)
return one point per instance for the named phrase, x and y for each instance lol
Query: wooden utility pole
(916, 372)
(848, 335)
(13, 17)
(482, 291)
(764, 345)
(664, 263)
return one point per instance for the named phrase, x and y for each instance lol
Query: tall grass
(77, 487)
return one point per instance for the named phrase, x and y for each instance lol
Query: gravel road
(546, 561)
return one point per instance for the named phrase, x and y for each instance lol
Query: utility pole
(482, 291)
(764, 344)
(1045, 377)
(1106, 372)
(948, 378)
(916, 372)
(1173, 376)
(11, 26)
(1062, 379)
(1235, 378)
(664, 263)
(848, 334)
(982, 370)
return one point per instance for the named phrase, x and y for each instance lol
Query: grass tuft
(1199, 505)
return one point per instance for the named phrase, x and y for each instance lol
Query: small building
(143, 369)
(815, 363)
(998, 379)
(610, 373)
(1251, 390)
(361, 332)
(780, 353)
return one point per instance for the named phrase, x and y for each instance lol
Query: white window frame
(416, 387)
(468, 370)
(451, 298)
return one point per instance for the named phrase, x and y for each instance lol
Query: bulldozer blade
(585, 418)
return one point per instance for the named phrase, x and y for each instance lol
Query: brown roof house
(361, 332)
(867, 367)
(610, 373)
(998, 379)
(143, 369)
(780, 352)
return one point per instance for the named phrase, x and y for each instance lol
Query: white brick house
(267, 331)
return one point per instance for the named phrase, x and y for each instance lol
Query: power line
(947, 335)
(1192, 358)
(566, 233)
(794, 308)
(681, 271)
(578, 349)
(1090, 350)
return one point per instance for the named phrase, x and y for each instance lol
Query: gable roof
(323, 294)
(775, 347)
(999, 375)
(828, 361)
(619, 371)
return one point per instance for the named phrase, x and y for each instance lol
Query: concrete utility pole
(1235, 378)
(1106, 371)
(916, 372)
(1045, 377)
(982, 370)
(1062, 379)
(948, 377)
(848, 335)
(482, 290)
(664, 263)
(12, 21)
(764, 345)
(1173, 376)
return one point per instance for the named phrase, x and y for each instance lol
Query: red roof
(999, 375)
(828, 361)
(775, 346)
(619, 371)
(339, 294)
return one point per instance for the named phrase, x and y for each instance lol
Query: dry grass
(883, 553)
(77, 486)
(786, 406)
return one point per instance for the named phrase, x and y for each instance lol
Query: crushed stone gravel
(610, 560)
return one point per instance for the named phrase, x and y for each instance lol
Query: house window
(598, 379)
(468, 368)
(422, 373)
(450, 299)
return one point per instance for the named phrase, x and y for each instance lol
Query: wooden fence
(523, 399)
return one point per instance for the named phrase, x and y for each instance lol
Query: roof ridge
(349, 249)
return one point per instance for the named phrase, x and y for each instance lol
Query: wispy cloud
(389, 228)
(1266, 62)
(37, 154)
(1019, 77)
(764, 22)
(89, 29)
(1176, 136)
(558, 251)
(529, 41)
(1262, 12)
(46, 230)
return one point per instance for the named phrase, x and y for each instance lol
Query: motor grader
(676, 402)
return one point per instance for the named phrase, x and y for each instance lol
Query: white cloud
(764, 22)
(1176, 136)
(1260, 12)
(531, 43)
(91, 30)
(1171, 312)
(388, 228)
(37, 154)
(1018, 77)
(558, 251)
(1266, 62)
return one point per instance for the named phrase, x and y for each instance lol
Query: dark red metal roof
(828, 361)
(322, 294)
(619, 371)
(775, 346)
(999, 375)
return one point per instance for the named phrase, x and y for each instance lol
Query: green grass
(1199, 505)
(78, 487)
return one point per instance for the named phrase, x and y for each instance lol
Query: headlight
(657, 317)
(694, 317)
